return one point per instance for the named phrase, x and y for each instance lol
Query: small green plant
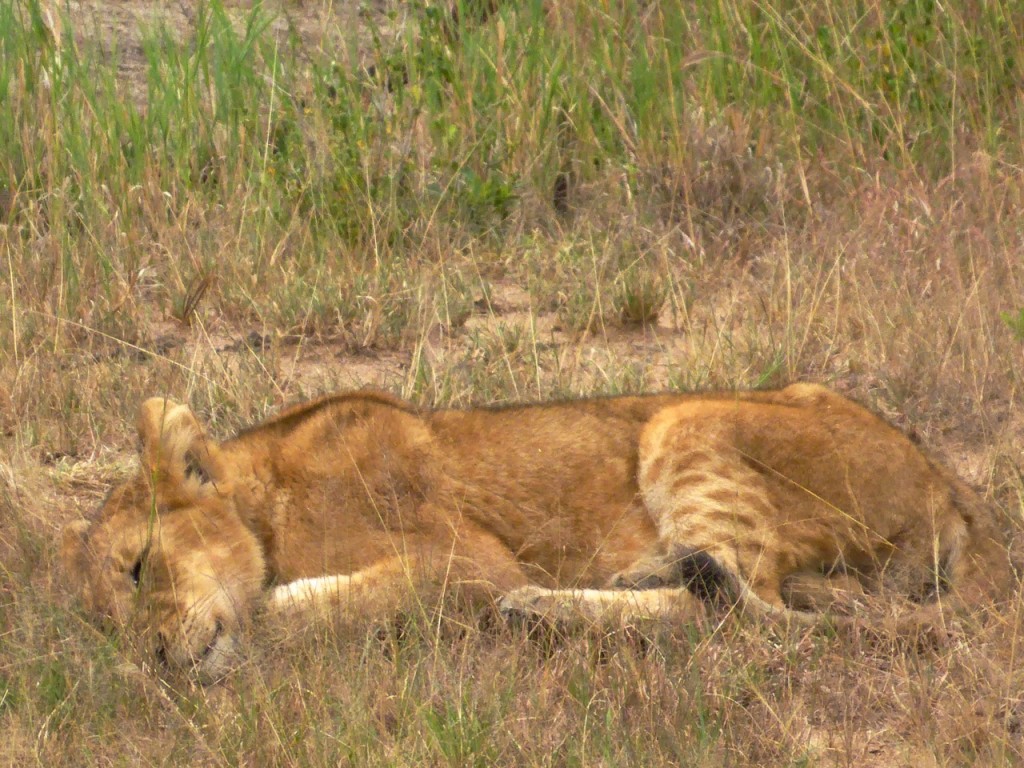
(578, 310)
(460, 734)
(640, 295)
(1015, 322)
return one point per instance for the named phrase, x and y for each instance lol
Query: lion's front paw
(523, 602)
(648, 573)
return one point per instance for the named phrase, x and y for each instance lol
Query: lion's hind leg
(721, 535)
(711, 583)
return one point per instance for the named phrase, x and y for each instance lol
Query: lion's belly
(584, 549)
(571, 518)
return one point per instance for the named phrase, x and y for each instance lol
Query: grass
(232, 207)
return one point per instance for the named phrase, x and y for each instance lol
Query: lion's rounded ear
(175, 446)
(162, 422)
(72, 546)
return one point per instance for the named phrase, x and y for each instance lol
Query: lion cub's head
(167, 555)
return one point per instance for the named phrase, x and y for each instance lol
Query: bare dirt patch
(120, 28)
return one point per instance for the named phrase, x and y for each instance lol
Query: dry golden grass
(742, 244)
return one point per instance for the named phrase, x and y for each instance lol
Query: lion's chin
(219, 658)
(208, 653)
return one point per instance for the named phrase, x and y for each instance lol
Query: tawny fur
(630, 504)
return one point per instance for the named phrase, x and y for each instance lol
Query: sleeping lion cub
(649, 505)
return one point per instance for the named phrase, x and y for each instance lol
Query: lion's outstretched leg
(375, 591)
(424, 569)
(600, 606)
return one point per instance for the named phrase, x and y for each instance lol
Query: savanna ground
(246, 205)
